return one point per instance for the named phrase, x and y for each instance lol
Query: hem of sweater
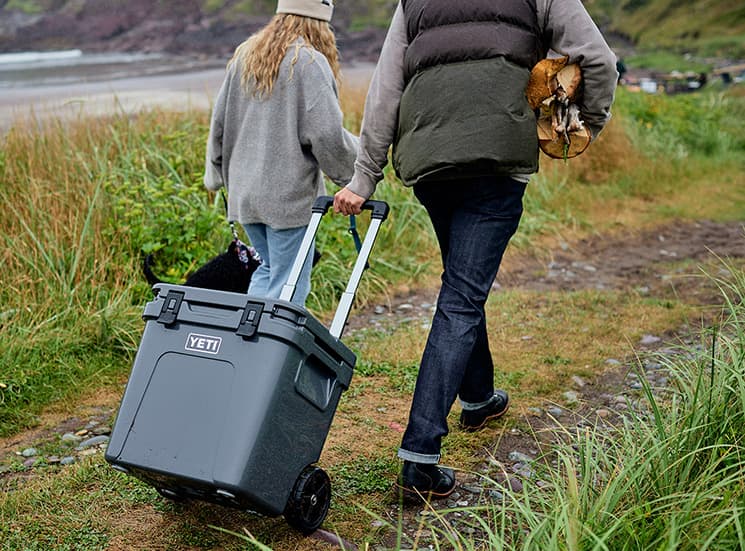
(281, 226)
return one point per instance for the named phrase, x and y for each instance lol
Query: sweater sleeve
(321, 126)
(381, 110)
(572, 32)
(213, 179)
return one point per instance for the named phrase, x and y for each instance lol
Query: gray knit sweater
(269, 152)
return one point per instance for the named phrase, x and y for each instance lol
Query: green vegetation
(667, 62)
(30, 7)
(671, 478)
(86, 205)
(703, 27)
(708, 126)
(85, 200)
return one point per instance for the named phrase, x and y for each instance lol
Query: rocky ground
(640, 262)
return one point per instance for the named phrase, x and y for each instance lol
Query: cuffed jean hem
(467, 406)
(418, 457)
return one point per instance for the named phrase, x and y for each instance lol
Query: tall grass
(72, 289)
(685, 125)
(84, 201)
(669, 478)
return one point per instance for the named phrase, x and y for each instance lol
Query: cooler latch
(250, 319)
(171, 306)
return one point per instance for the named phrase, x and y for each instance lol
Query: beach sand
(22, 104)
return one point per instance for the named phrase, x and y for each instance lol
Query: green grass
(85, 201)
(666, 62)
(74, 244)
(363, 475)
(25, 6)
(669, 478)
(52, 371)
(80, 508)
(710, 125)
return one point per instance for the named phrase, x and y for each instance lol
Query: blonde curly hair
(259, 57)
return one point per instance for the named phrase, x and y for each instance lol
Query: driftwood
(553, 90)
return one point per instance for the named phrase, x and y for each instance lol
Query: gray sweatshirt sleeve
(322, 124)
(213, 179)
(381, 110)
(572, 32)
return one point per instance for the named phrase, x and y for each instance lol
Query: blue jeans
(278, 249)
(474, 219)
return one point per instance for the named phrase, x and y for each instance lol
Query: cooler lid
(237, 312)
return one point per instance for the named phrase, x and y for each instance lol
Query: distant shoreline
(175, 85)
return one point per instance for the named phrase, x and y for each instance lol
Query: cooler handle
(379, 209)
(379, 213)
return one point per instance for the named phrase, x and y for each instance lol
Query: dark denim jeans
(474, 219)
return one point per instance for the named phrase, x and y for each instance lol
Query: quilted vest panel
(447, 31)
(463, 110)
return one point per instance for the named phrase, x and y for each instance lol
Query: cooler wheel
(309, 501)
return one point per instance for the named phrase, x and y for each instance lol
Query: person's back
(276, 126)
(272, 169)
(463, 107)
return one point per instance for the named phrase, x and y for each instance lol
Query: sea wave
(68, 66)
(68, 58)
(39, 57)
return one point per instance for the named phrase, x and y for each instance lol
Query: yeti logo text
(203, 343)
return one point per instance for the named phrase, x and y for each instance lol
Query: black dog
(229, 271)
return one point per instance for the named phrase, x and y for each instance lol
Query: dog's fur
(225, 272)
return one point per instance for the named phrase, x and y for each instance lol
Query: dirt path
(656, 262)
(662, 263)
(640, 261)
(631, 261)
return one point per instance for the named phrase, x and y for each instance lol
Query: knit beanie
(317, 9)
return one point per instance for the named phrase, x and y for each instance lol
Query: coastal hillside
(707, 28)
(215, 27)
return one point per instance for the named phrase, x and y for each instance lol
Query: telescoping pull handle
(379, 209)
(379, 212)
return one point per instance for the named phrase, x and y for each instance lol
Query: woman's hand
(347, 202)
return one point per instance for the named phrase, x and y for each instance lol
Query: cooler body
(230, 397)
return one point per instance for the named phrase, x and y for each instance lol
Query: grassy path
(616, 250)
(571, 321)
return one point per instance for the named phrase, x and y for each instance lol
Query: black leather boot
(420, 480)
(473, 420)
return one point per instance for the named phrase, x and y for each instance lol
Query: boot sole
(411, 495)
(469, 428)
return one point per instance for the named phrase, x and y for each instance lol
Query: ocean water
(23, 69)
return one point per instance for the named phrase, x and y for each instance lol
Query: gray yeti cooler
(231, 397)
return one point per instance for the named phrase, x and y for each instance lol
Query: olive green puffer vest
(463, 110)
